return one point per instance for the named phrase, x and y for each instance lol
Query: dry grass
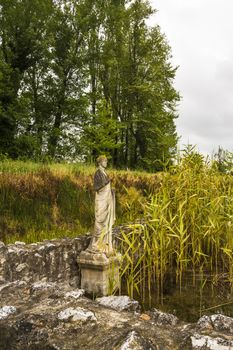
(45, 201)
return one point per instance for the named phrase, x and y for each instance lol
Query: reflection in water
(205, 294)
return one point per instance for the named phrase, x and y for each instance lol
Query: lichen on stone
(6, 311)
(76, 314)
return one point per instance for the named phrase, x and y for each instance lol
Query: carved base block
(99, 274)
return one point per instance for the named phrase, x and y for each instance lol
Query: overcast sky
(200, 34)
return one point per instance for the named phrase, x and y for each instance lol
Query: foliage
(223, 161)
(131, 202)
(99, 135)
(188, 225)
(79, 78)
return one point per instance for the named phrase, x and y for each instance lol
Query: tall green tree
(70, 27)
(135, 78)
(22, 31)
(79, 78)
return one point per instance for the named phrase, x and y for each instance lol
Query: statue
(101, 241)
(99, 263)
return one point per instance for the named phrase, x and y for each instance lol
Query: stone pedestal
(99, 274)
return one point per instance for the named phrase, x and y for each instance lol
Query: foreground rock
(77, 314)
(134, 341)
(50, 316)
(5, 311)
(162, 318)
(218, 322)
(200, 341)
(119, 303)
(213, 325)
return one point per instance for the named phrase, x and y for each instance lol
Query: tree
(100, 137)
(135, 79)
(223, 161)
(22, 30)
(79, 78)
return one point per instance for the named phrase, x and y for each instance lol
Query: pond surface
(209, 294)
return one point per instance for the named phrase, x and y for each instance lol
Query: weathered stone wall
(50, 260)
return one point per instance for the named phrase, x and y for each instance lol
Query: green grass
(39, 201)
(17, 166)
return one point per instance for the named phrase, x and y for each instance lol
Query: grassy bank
(46, 201)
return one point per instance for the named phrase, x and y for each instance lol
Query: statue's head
(102, 160)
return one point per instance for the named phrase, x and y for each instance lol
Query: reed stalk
(188, 226)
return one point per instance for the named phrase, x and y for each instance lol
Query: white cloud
(199, 32)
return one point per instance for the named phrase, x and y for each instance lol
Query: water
(209, 295)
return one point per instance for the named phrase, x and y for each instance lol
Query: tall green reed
(187, 227)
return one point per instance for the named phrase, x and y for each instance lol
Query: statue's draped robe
(104, 212)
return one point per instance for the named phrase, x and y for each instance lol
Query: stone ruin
(47, 261)
(43, 308)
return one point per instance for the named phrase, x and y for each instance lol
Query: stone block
(99, 273)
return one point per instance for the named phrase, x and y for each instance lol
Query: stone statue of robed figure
(104, 210)
(99, 263)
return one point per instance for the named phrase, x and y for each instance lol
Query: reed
(188, 226)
